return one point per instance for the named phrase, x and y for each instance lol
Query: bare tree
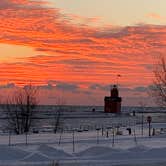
(19, 109)
(158, 90)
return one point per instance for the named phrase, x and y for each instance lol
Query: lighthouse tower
(113, 102)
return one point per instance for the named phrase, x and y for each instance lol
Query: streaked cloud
(79, 56)
(154, 16)
(7, 86)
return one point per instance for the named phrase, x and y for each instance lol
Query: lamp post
(149, 120)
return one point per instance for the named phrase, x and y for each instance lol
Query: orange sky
(41, 45)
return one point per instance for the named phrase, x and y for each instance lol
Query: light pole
(149, 120)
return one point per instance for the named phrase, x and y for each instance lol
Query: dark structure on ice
(113, 102)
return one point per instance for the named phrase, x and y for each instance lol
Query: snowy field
(88, 148)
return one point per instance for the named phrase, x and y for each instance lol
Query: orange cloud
(154, 16)
(78, 54)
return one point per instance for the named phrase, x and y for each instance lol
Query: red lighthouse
(113, 102)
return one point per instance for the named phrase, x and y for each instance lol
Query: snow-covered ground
(88, 148)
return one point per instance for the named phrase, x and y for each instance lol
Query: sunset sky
(76, 48)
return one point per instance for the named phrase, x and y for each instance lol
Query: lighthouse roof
(114, 91)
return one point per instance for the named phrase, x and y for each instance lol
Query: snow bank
(107, 153)
(97, 150)
(36, 157)
(8, 153)
(52, 152)
(138, 148)
(140, 153)
(156, 153)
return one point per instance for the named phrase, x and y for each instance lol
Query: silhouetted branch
(19, 109)
(158, 90)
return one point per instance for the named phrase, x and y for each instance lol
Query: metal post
(107, 133)
(26, 138)
(97, 130)
(142, 126)
(149, 120)
(102, 130)
(73, 142)
(149, 130)
(60, 137)
(113, 138)
(9, 138)
(135, 138)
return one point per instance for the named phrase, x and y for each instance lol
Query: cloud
(99, 87)
(47, 86)
(76, 19)
(105, 88)
(141, 89)
(155, 16)
(67, 86)
(77, 56)
(64, 86)
(74, 94)
(8, 86)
